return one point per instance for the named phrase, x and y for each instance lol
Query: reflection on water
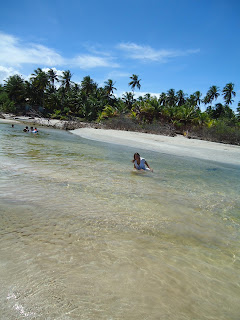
(84, 237)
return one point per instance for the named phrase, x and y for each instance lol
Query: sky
(180, 44)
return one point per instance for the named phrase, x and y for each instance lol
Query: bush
(108, 112)
(219, 132)
(8, 107)
(56, 114)
(124, 122)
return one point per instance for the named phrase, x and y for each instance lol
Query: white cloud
(118, 74)
(6, 73)
(58, 72)
(96, 50)
(16, 53)
(88, 61)
(138, 94)
(146, 53)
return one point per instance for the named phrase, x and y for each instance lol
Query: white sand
(8, 121)
(37, 121)
(178, 145)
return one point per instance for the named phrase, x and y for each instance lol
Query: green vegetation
(52, 96)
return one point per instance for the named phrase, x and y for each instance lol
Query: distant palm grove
(47, 95)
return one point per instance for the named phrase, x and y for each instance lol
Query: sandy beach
(179, 145)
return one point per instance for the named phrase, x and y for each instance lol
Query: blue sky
(181, 44)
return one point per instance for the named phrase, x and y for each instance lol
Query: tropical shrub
(108, 112)
(8, 107)
(218, 132)
(173, 110)
(57, 114)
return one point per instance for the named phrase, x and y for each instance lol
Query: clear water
(84, 237)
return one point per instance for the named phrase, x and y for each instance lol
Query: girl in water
(140, 163)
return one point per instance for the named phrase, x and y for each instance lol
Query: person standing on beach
(140, 163)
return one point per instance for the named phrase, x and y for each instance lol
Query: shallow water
(84, 237)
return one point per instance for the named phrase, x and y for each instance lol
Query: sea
(83, 236)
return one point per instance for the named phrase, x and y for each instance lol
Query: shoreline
(177, 145)
(58, 124)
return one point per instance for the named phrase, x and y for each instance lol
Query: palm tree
(66, 80)
(218, 111)
(88, 85)
(180, 97)
(213, 93)
(147, 97)
(171, 98)
(194, 99)
(163, 99)
(186, 114)
(202, 118)
(109, 87)
(15, 88)
(52, 75)
(228, 93)
(197, 95)
(135, 82)
(53, 102)
(238, 111)
(128, 98)
(65, 87)
(40, 81)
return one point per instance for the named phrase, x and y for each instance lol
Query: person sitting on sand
(140, 163)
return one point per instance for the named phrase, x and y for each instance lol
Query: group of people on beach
(32, 130)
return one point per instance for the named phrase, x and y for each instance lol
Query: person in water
(140, 163)
(26, 129)
(33, 130)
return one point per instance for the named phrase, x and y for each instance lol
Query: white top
(141, 165)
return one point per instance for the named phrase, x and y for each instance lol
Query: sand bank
(59, 124)
(179, 145)
(8, 121)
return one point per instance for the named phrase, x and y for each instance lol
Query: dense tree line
(59, 97)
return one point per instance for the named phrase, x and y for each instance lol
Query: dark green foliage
(238, 112)
(213, 93)
(5, 101)
(171, 112)
(135, 82)
(15, 88)
(228, 93)
(219, 132)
